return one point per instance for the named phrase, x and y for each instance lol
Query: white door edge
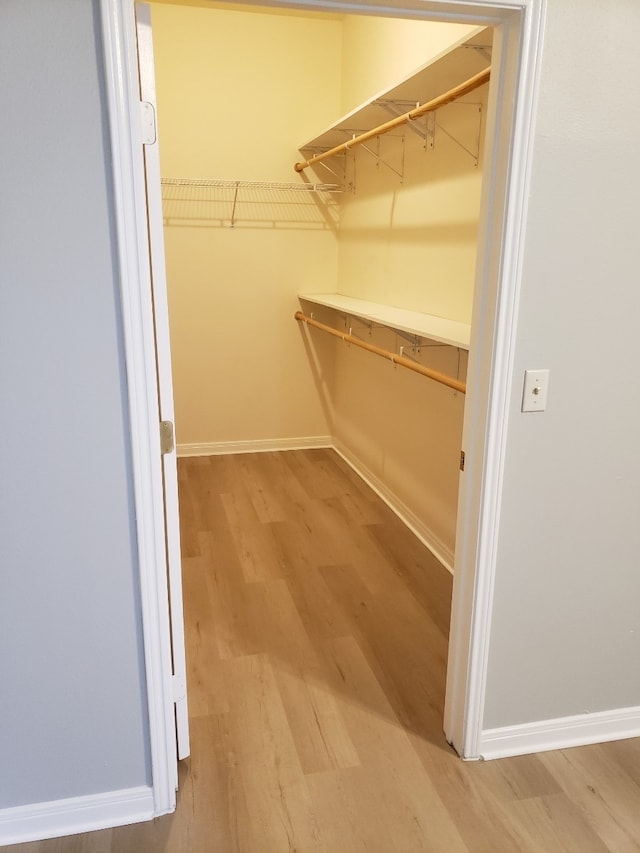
(165, 380)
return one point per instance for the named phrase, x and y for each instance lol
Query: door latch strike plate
(166, 437)
(148, 123)
(179, 688)
(462, 460)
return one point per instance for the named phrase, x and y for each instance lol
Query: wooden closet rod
(442, 100)
(449, 381)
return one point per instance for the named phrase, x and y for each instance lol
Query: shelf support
(430, 106)
(398, 109)
(474, 155)
(235, 203)
(379, 159)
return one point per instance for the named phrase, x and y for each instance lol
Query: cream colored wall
(379, 52)
(411, 244)
(237, 92)
(405, 432)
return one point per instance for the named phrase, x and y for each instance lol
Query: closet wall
(409, 242)
(238, 92)
(378, 52)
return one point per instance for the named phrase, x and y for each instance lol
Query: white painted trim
(121, 80)
(526, 94)
(406, 515)
(519, 26)
(561, 733)
(76, 814)
(503, 216)
(266, 445)
(165, 381)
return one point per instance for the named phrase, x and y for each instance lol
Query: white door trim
(151, 157)
(121, 77)
(507, 169)
(502, 223)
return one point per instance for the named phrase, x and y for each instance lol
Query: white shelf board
(450, 68)
(439, 329)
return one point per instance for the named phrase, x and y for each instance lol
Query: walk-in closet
(242, 97)
(320, 231)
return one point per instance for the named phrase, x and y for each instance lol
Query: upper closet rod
(442, 100)
(442, 378)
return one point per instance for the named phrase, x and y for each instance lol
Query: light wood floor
(317, 640)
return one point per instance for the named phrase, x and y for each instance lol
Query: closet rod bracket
(399, 360)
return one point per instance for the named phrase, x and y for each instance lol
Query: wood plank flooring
(317, 640)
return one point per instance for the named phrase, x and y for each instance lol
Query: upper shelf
(439, 329)
(461, 61)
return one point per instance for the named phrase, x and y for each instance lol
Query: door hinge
(167, 443)
(462, 460)
(178, 688)
(148, 123)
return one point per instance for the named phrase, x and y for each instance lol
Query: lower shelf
(429, 326)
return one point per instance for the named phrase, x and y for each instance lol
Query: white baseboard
(560, 733)
(77, 814)
(407, 516)
(217, 448)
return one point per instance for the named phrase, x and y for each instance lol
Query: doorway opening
(502, 207)
(249, 241)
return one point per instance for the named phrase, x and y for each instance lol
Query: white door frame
(123, 96)
(151, 155)
(515, 72)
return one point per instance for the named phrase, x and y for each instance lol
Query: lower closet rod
(449, 381)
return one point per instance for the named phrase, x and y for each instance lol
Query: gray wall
(72, 701)
(566, 623)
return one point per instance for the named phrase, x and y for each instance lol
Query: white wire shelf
(251, 203)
